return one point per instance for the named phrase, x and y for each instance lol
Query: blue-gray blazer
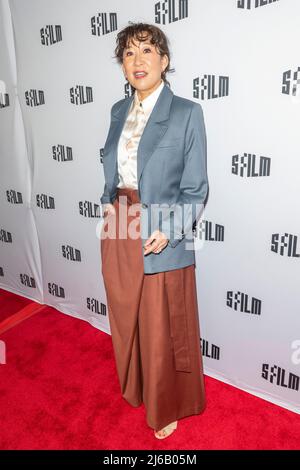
(171, 173)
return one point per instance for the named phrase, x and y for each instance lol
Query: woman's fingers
(158, 245)
(161, 247)
(108, 209)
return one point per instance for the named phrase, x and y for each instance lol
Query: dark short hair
(135, 31)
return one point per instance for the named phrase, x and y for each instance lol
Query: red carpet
(59, 390)
(10, 303)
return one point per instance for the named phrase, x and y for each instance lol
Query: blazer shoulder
(184, 104)
(117, 104)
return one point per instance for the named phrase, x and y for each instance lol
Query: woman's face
(143, 56)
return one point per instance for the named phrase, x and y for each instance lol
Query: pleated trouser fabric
(154, 326)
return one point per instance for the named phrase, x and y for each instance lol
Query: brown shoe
(166, 431)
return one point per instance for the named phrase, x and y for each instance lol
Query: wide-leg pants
(154, 325)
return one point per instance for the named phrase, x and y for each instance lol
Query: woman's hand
(155, 243)
(108, 209)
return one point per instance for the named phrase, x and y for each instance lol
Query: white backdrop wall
(240, 60)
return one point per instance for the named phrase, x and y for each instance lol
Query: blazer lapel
(154, 130)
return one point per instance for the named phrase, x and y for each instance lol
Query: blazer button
(144, 205)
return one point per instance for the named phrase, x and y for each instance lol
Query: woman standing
(154, 164)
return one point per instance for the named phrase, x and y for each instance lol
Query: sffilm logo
(27, 281)
(51, 34)
(103, 23)
(248, 4)
(5, 237)
(210, 86)
(81, 94)
(129, 90)
(101, 154)
(14, 197)
(55, 290)
(62, 153)
(291, 82)
(210, 350)
(243, 303)
(95, 306)
(285, 244)
(4, 96)
(169, 9)
(249, 165)
(89, 209)
(45, 202)
(206, 230)
(34, 98)
(71, 253)
(277, 375)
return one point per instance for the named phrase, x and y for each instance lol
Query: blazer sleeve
(105, 198)
(194, 181)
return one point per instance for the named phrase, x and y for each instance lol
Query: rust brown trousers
(154, 326)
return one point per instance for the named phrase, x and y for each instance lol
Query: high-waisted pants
(154, 325)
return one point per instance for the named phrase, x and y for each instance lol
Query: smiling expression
(143, 57)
